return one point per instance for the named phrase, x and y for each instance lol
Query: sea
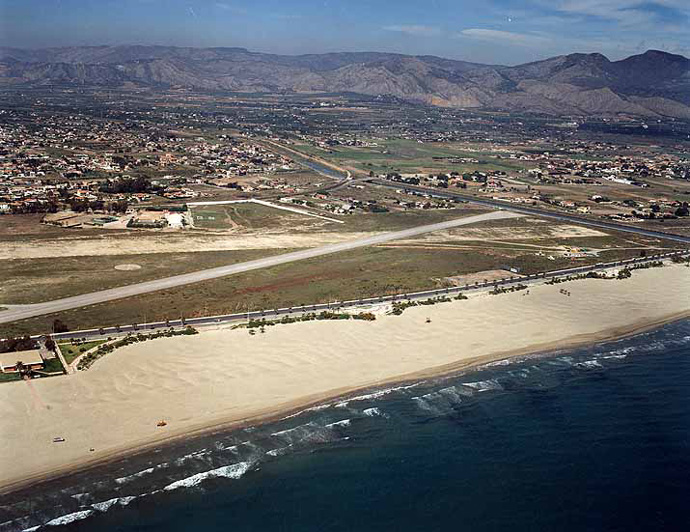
(588, 439)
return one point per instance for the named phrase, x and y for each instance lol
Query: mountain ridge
(654, 84)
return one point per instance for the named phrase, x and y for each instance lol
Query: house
(31, 359)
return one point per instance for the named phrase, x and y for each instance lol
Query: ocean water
(588, 439)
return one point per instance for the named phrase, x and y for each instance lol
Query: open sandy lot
(170, 243)
(276, 239)
(227, 376)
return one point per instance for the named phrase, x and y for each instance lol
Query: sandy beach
(221, 377)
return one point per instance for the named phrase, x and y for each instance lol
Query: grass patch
(248, 216)
(9, 377)
(26, 281)
(72, 350)
(53, 366)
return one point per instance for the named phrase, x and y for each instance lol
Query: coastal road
(364, 303)
(84, 300)
(444, 193)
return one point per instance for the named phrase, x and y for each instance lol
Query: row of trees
(23, 343)
(83, 205)
(129, 185)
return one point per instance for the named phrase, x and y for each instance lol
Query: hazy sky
(489, 31)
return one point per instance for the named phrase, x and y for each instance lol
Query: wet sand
(225, 377)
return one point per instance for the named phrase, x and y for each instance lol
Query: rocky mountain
(653, 84)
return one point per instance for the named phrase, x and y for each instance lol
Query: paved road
(58, 305)
(443, 193)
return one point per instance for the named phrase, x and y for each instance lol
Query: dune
(223, 377)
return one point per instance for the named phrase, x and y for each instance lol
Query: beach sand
(220, 377)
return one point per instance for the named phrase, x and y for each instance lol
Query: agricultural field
(409, 156)
(252, 216)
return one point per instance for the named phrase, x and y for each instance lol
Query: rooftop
(30, 357)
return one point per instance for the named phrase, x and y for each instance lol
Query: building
(31, 359)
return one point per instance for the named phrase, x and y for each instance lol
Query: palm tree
(21, 369)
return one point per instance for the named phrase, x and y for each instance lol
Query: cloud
(233, 9)
(628, 12)
(506, 37)
(416, 30)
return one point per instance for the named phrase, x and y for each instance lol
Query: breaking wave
(233, 471)
(117, 501)
(70, 518)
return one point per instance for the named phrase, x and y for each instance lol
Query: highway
(59, 305)
(361, 304)
(503, 205)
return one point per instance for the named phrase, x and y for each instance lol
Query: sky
(486, 31)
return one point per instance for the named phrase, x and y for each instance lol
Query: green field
(409, 156)
(250, 216)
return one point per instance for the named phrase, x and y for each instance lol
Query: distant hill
(653, 84)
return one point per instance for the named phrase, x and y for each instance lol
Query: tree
(119, 206)
(683, 210)
(59, 326)
(21, 368)
(50, 344)
(17, 344)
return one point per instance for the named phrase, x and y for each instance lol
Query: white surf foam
(374, 412)
(375, 395)
(484, 386)
(341, 423)
(278, 452)
(589, 364)
(134, 476)
(311, 409)
(614, 357)
(234, 471)
(117, 501)
(424, 403)
(70, 518)
(196, 455)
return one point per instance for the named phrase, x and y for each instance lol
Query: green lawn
(53, 365)
(71, 351)
(8, 377)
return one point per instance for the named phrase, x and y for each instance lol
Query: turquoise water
(590, 439)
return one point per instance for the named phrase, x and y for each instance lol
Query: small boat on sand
(162, 423)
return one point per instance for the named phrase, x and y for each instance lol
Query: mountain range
(654, 84)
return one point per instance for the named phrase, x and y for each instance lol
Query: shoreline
(282, 411)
